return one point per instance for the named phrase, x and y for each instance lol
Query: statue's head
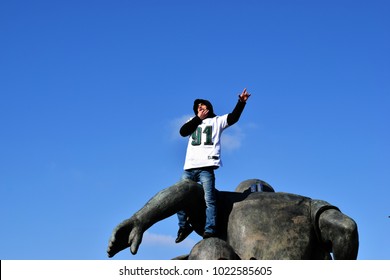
(254, 185)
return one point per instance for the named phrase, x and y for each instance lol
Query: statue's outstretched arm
(185, 195)
(340, 232)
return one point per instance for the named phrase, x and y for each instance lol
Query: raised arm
(234, 116)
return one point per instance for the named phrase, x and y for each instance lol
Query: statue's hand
(126, 234)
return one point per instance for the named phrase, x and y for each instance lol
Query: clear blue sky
(93, 94)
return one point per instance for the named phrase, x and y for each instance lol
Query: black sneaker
(209, 234)
(183, 233)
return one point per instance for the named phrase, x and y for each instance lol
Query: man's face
(201, 107)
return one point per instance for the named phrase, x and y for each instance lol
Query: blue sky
(93, 94)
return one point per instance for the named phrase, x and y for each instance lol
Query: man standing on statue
(204, 156)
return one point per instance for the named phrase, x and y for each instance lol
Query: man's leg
(185, 228)
(207, 179)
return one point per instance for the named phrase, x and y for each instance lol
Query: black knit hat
(207, 103)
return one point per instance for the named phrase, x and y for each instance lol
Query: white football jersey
(204, 145)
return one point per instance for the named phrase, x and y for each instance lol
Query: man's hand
(244, 95)
(202, 114)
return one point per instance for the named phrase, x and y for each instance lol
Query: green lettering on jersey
(197, 136)
(208, 130)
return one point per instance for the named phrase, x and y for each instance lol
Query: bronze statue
(264, 224)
